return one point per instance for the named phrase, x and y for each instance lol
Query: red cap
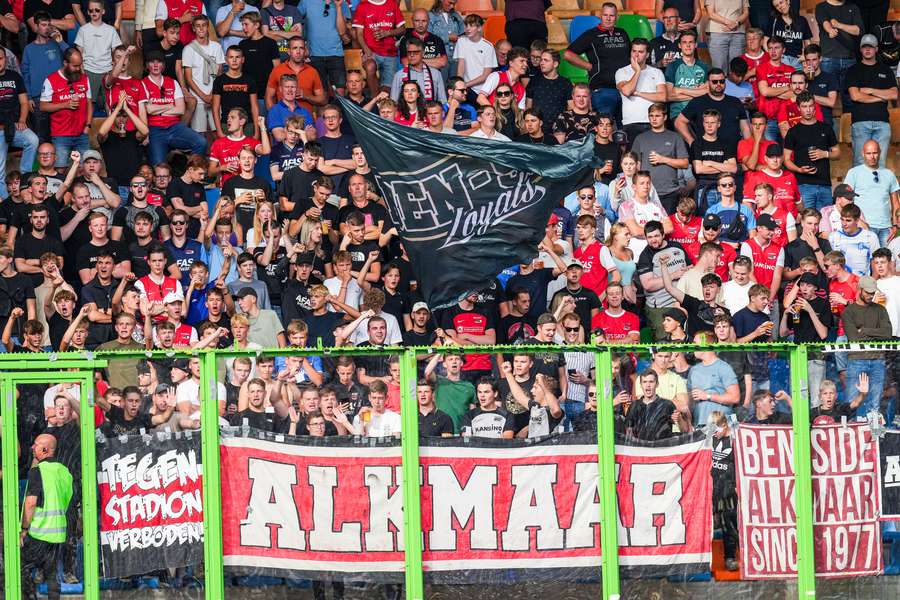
(553, 219)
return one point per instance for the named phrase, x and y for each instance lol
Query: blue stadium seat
(580, 24)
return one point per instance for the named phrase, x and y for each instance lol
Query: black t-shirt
(29, 247)
(605, 152)
(793, 34)
(275, 274)
(776, 418)
(259, 420)
(432, 45)
(225, 341)
(607, 51)
(544, 140)
(235, 91)
(718, 150)
(372, 211)
(191, 194)
(295, 299)
(124, 218)
(516, 414)
(116, 424)
(396, 304)
(512, 329)
(662, 48)
(338, 148)
(68, 447)
(14, 291)
(101, 295)
(80, 236)
(550, 96)
(701, 314)
(650, 421)
(820, 85)
(585, 301)
(360, 252)
(11, 85)
(731, 109)
(58, 9)
(57, 328)
(800, 139)
(245, 211)
(804, 331)
(322, 327)
(535, 283)
(296, 186)
(877, 76)
(723, 473)
(172, 56)
(22, 216)
(799, 249)
(87, 254)
(258, 57)
(435, 424)
(123, 155)
(840, 409)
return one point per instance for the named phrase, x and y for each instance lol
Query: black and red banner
(846, 501)
(151, 505)
(309, 508)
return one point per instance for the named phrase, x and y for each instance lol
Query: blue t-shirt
(186, 256)
(197, 311)
(873, 193)
(820, 86)
(279, 113)
(714, 378)
(321, 29)
(728, 216)
(232, 40)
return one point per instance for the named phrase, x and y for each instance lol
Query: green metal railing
(19, 368)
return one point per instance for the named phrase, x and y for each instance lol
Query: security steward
(47, 498)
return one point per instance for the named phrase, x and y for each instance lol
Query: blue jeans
(177, 136)
(815, 196)
(864, 131)
(572, 409)
(883, 234)
(875, 370)
(773, 134)
(792, 61)
(723, 47)
(838, 67)
(387, 67)
(28, 141)
(64, 145)
(840, 358)
(606, 101)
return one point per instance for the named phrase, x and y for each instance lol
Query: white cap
(419, 306)
(172, 297)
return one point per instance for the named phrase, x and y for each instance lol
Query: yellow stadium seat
(894, 114)
(353, 59)
(845, 136)
(482, 7)
(556, 35)
(595, 7)
(565, 9)
(426, 4)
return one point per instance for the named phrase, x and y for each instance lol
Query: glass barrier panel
(149, 476)
(508, 457)
(704, 473)
(311, 484)
(855, 514)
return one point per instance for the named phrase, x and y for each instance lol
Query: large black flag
(465, 208)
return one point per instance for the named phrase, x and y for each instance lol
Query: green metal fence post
(606, 483)
(11, 523)
(806, 561)
(91, 534)
(412, 513)
(212, 480)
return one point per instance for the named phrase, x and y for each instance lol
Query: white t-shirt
(634, 109)
(735, 295)
(73, 391)
(478, 133)
(383, 425)
(97, 43)
(890, 287)
(478, 56)
(189, 58)
(354, 292)
(490, 84)
(894, 247)
(857, 248)
(189, 391)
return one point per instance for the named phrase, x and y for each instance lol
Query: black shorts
(331, 71)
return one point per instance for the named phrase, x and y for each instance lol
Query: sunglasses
(717, 81)
(727, 185)
(414, 52)
(504, 94)
(95, 10)
(573, 329)
(586, 196)
(327, 10)
(875, 175)
(592, 394)
(139, 184)
(176, 223)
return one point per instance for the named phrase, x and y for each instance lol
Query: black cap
(842, 190)
(162, 388)
(181, 363)
(246, 291)
(766, 220)
(143, 368)
(154, 55)
(808, 278)
(774, 150)
(712, 222)
(304, 258)
(677, 315)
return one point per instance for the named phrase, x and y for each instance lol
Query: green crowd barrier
(79, 367)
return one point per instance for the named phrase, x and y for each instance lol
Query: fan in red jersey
(786, 230)
(66, 96)
(619, 325)
(685, 224)
(786, 192)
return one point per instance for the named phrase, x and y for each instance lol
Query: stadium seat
(485, 8)
(595, 6)
(495, 28)
(353, 59)
(573, 73)
(556, 35)
(845, 136)
(894, 114)
(565, 9)
(580, 24)
(426, 4)
(646, 8)
(636, 26)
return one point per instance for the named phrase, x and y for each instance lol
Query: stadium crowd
(194, 185)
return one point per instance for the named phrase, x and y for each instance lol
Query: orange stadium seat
(595, 7)
(565, 9)
(642, 7)
(128, 10)
(495, 28)
(353, 59)
(485, 8)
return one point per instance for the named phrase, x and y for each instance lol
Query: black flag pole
(465, 208)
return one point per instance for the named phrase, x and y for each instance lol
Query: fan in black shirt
(830, 409)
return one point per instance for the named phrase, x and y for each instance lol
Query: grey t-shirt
(262, 291)
(647, 263)
(668, 144)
